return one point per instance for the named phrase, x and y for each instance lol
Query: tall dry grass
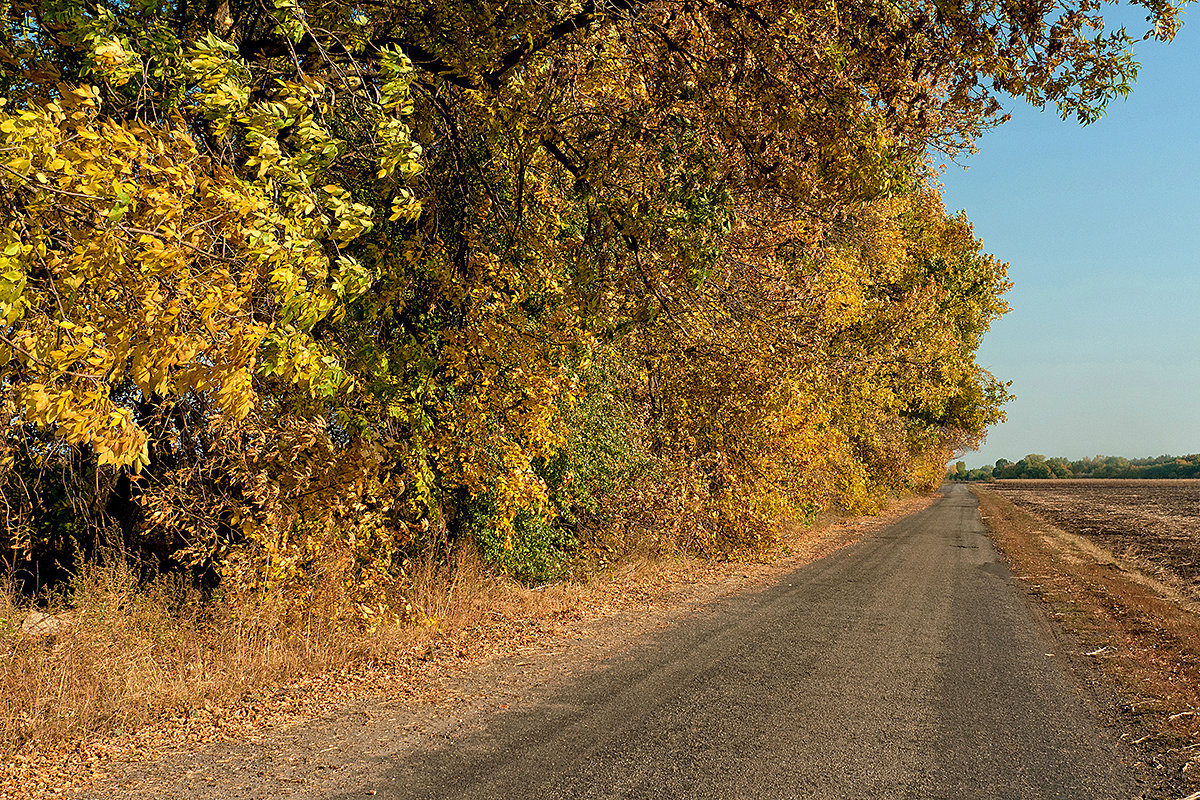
(129, 653)
(125, 654)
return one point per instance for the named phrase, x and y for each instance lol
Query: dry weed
(127, 653)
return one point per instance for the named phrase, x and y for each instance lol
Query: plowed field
(1153, 523)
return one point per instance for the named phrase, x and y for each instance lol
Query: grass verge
(129, 668)
(1137, 631)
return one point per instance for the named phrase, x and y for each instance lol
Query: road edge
(1129, 641)
(453, 685)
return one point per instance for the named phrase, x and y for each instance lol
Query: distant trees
(1059, 466)
(1036, 466)
(977, 474)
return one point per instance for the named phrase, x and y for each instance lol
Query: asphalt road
(905, 666)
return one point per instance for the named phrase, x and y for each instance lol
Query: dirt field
(1154, 523)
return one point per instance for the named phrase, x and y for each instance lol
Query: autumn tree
(287, 281)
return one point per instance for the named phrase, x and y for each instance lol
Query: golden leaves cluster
(121, 268)
(131, 257)
(337, 278)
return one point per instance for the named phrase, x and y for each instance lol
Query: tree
(285, 279)
(1034, 466)
(1059, 466)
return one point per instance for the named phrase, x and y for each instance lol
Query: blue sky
(1101, 229)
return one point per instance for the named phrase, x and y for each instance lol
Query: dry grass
(129, 654)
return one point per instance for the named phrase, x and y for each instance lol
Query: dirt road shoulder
(1138, 633)
(314, 737)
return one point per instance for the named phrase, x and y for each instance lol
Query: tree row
(292, 292)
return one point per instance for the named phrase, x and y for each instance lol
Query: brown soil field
(1154, 524)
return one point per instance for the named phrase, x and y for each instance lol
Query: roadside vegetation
(1125, 597)
(304, 304)
(144, 663)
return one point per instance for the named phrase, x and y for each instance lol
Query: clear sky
(1101, 229)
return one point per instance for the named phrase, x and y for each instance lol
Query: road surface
(905, 666)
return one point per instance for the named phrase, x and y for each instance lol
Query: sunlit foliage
(292, 287)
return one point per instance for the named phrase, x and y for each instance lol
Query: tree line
(292, 291)
(1039, 467)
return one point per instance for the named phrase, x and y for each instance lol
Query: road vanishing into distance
(907, 665)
